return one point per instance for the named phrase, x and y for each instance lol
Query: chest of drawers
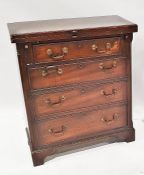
(76, 77)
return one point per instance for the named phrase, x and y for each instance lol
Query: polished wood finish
(77, 49)
(68, 29)
(64, 74)
(80, 124)
(80, 97)
(76, 77)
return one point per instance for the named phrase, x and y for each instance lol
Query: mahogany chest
(76, 77)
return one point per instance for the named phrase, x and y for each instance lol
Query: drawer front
(77, 49)
(79, 125)
(45, 77)
(57, 102)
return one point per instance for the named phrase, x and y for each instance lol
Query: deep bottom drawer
(78, 125)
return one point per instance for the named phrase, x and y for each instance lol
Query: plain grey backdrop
(112, 159)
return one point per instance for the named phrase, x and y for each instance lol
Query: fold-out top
(67, 29)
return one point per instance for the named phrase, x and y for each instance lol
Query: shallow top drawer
(65, 51)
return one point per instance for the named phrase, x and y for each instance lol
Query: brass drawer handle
(108, 48)
(107, 67)
(95, 48)
(60, 101)
(57, 131)
(115, 117)
(57, 56)
(46, 71)
(103, 92)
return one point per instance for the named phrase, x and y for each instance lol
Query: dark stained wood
(78, 72)
(77, 49)
(81, 97)
(47, 153)
(50, 30)
(50, 103)
(84, 123)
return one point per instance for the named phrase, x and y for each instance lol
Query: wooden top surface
(20, 28)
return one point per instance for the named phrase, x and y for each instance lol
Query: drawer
(77, 49)
(50, 76)
(50, 103)
(79, 125)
